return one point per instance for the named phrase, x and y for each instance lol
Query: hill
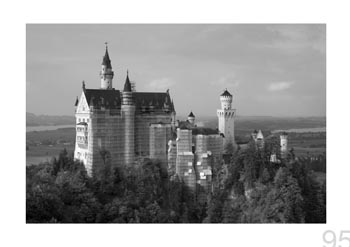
(37, 120)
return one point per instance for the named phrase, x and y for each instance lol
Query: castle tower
(106, 73)
(260, 142)
(128, 115)
(284, 144)
(226, 117)
(191, 118)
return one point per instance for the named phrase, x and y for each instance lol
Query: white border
(15, 14)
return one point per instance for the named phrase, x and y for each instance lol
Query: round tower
(226, 117)
(226, 100)
(106, 73)
(191, 118)
(128, 114)
(284, 144)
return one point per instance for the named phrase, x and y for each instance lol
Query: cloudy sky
(272, 70)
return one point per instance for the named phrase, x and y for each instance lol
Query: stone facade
(198, 150)
(226, 117)
(115, 127)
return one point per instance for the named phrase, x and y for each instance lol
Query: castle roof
(226, 93)
(106, 61)
(111, 99)
(127, 85)
(157, 100)
(191, 114)
(197, 130)
(204, 131)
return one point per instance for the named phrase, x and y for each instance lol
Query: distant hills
(37, 120)
(267, 123)
(242, 123)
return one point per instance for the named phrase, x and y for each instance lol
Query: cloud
(279, 86)
(161, 84)
(228, 81)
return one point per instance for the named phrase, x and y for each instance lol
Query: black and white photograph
(176, 123)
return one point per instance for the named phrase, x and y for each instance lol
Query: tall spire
(106, 60)
(106, 73)
(127, 85)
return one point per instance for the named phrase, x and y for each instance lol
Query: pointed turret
(191, 118)
(127, 92)
(106, 73)
(127, 85)
(128, 114)
(106, 61)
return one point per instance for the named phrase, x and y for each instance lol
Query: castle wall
(158, 142)
(226, 125)
(142, 135)
(216, 147)
(82, 115)
(284, 146)
(185, 169)
(128, 116)
(106, 139)
(184, 140)
(208, 154)
(172, 153)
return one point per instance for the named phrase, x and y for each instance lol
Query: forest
(247, 188)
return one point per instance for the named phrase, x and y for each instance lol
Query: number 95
(329, 237)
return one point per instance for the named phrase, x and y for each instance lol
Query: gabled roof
(106, 61)
(226, 93)
(110, 99)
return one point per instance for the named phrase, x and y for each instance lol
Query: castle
(122, 128)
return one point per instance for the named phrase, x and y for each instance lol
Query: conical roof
(106, 61)
(226, 93)
(127, 85)
(191, 114)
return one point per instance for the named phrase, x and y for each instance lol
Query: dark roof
(204, 131)
(106, 61)
(127, 85)
(76, 101)
(226, 93)
(110, 99)
(191, 114)
(186, 125)
(255, 132)
(197, 130)
(153, 100)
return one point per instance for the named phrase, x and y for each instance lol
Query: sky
(270, 69)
